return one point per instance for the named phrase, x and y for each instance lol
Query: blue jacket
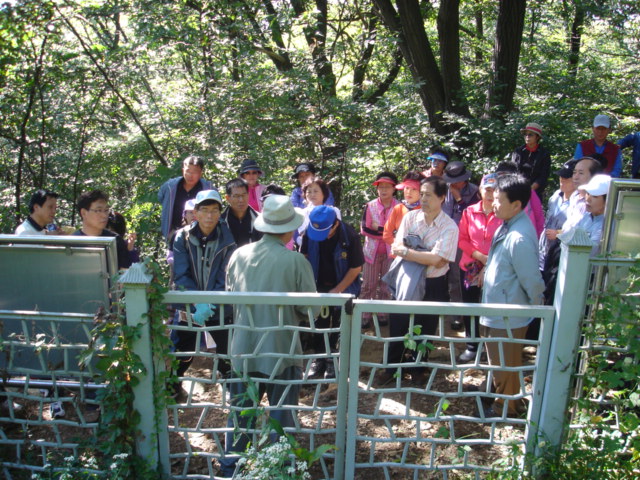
(340, 260)
(167, 196)
(632, 140)
(198, 269)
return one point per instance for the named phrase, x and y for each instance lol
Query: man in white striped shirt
(427, 237)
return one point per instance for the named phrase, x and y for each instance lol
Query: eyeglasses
(99, 211)
(252, 172)
(239, 196)
(529, 134)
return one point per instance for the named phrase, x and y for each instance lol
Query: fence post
(152, 444)
(571, 291)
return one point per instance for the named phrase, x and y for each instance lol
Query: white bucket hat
(278, 216)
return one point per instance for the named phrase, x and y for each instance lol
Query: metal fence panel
(198, 422)
(30, 439)
(407, 428)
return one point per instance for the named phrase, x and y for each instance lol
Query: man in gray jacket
(511, 276)
(175, 192)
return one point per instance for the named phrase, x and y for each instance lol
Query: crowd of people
(446, 239)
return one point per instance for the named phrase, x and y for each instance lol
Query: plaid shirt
(441, 237)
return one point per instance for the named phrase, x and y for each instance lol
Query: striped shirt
(440, 237)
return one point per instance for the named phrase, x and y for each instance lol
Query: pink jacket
(535, 212)
(476, 232)
(375, 211)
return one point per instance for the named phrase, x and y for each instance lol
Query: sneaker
(467, 356)
(330, 372)
(318, 367)
(56, 409)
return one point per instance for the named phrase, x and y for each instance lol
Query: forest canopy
(114, 94)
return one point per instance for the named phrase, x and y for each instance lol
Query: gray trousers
(284, 394)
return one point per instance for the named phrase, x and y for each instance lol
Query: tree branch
(115, 90)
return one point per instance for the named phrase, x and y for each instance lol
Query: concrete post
(153, 444)
(570, 298)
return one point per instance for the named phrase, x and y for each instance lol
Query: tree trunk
(316, 35)
(449, 37)
(479, 36)
(506, 56)
(575, 40)
(367, 44)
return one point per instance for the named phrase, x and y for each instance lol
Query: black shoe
(486, 401)
(419, 378)
(489, 413)
(330, 371)
(175, 390)
(318, 367)
(467, 356)
(457, 325)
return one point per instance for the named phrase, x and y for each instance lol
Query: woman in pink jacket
(477, 227)
(377, 253)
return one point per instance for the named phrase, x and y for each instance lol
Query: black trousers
(328, 318)
(185, 341)
(436, 290)
(471, 295)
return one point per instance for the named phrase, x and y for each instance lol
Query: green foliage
(87, 469)
(605, 443)
(115, 94)
(411, 343)
(120, 368)
(285, 459)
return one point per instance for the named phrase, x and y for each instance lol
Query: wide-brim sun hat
(278, 215)
(250, 165)
(532, 127)
(302, 167)
(456, 172)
